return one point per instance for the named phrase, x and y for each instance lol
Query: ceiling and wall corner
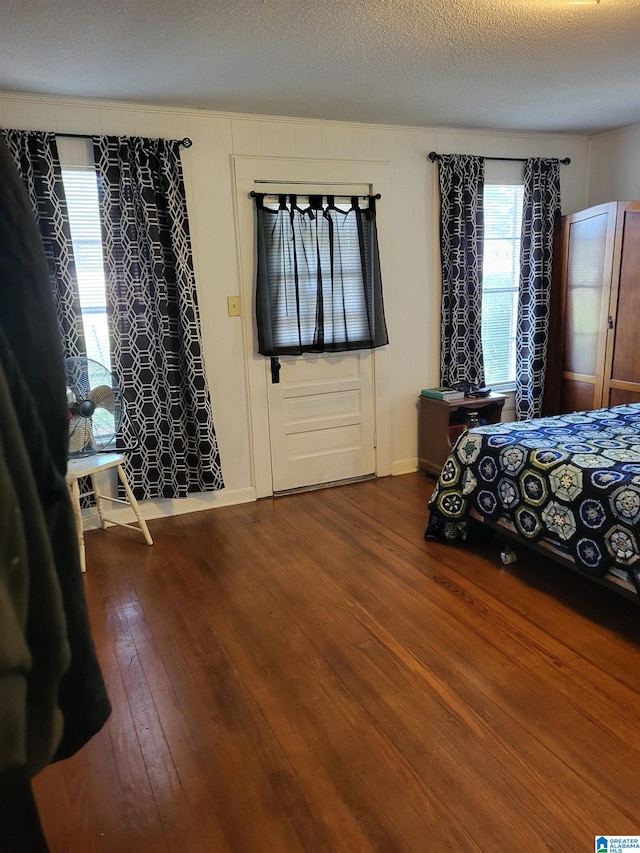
(545, 65)
(378, 80)
(614, 167)
(408, 222)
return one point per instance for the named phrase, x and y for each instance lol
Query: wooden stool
(89, 466)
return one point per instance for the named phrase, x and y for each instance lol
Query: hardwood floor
(307, 674)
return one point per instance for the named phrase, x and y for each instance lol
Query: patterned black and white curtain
(541, 208)
(154, 317)
(461, 248)
(36, 156)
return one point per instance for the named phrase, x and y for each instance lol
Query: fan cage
(96, 407)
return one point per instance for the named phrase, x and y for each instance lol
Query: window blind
(81, 191)
(500, 283)
(319, 283)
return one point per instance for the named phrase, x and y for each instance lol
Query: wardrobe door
(588, 245)
(622, 369)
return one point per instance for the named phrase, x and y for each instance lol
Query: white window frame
(503, 173)
(76, 156)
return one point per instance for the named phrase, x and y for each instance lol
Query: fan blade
(80, 434)
(103, 396)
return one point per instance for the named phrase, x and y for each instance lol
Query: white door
(321, 419)
(317, 424)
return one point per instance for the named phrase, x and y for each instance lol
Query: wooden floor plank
(319, 696)
(351, 677)
(307, 673)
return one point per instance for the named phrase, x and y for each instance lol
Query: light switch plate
(233, 306)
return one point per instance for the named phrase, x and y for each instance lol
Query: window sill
(503, 387)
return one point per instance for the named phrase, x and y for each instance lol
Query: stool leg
(134, 505)
(77, 514)
(96, 494)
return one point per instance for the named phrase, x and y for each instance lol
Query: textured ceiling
(507, 64)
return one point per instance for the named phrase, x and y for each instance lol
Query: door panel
(587, 257)
(321, 419)
(619, 397)
(575, 395)
(625, 359)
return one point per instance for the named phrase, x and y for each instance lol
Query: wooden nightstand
(440, 423)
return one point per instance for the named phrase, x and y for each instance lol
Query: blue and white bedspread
(571, 479)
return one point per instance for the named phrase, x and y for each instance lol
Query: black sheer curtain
(154, 317)
(319, 287)
(35, 153)
(461, 249)
(541, 209)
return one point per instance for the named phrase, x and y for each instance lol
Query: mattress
(568, 483)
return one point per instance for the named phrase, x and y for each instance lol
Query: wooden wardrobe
(594, 353)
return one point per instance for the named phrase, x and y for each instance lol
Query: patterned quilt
(572, 479)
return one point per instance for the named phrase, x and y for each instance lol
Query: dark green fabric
(34, 653)
(31, 357)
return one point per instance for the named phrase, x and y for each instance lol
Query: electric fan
(96, 406)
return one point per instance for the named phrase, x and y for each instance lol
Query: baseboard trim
(404, 466)
(165, 507)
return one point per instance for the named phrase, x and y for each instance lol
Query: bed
(568, 485)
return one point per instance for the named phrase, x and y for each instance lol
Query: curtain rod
(186, 142)
(253, 194)
(433, 157)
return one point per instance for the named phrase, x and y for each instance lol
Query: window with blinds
(500, 282)
(295, 280)
(318, 285)
(81, 191)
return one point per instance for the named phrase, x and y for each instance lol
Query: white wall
(615, 166)
(409, 251)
